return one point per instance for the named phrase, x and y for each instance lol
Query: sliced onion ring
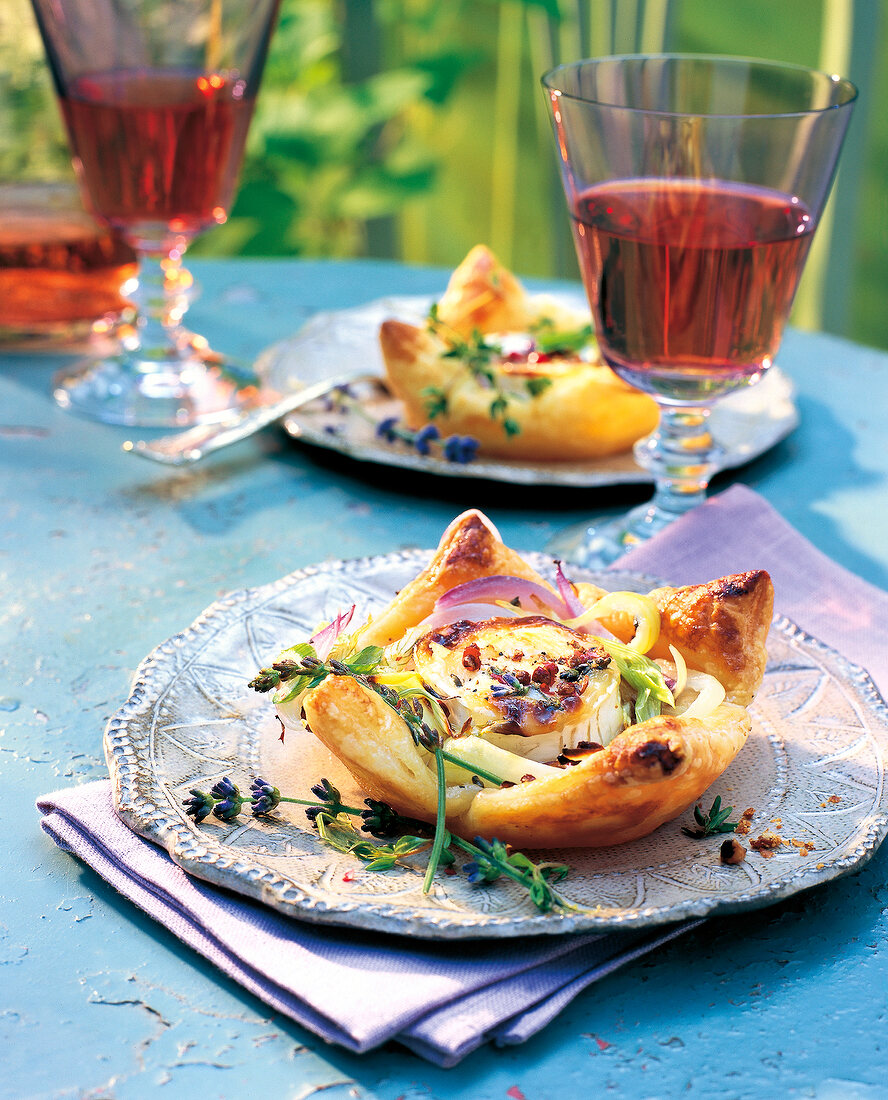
(474, 612)
(324, 639)
(711, 694)
(572, 601)
(502, 587)
(681, 672)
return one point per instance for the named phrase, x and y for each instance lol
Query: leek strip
(481, 772)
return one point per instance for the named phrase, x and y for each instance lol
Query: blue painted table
(103, 556)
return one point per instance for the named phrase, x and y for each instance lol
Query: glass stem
(160, 305)
(682, 456)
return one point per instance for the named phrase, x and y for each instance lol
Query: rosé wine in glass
(158, 145)
(157, 97)
(690, 283)
(694, 185)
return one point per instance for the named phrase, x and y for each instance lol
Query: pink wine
(690, 283)
(158, 147)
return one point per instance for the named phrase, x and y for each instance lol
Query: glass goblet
(157, 97)
(694, 186)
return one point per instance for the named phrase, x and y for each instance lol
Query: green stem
(489, 776)
(326, 806)
(440, 831)
(519, 876)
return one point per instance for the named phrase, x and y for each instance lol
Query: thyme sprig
(493, 859)
(711, 823)
(478, 356)
(420, 708)
(554, 341)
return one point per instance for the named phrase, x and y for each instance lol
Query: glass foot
(596, 545)
(120, 389)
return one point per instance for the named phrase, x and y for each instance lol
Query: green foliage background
(416, 128)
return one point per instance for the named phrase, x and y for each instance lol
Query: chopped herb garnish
(552, 341)
(435, 401)
(716, 821)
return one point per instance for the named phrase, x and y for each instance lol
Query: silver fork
(184, 448)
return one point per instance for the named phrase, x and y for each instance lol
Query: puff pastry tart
(564, 715)
(512, 370)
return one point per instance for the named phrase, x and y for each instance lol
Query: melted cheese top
(531, 685)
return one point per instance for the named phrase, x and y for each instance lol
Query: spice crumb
(766, 844)
(749, 813)
(743, 826)
(834, 798)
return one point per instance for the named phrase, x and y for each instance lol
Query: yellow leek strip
(642, 609)
(400, 681)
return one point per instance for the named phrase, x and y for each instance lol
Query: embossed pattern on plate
(814, 762)
(746, 423)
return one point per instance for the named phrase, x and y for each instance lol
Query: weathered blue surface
(103, 555)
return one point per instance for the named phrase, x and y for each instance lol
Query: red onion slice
(566, 590)
(474, 612)
(505, 588)
(326, 637)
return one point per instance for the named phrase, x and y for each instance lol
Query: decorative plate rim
(198, 852)
(300, 425)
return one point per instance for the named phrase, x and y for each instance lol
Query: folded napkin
(441, 999)
(444, 999)
(736, 531)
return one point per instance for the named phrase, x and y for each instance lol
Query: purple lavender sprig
(425, 440)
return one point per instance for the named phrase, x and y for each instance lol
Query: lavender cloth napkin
(737, 531)
(443, 1000)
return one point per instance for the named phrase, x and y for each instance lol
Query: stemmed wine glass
(694, 186)
(157, 97)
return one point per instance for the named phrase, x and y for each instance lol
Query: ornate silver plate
(745, 424)
(812, 769)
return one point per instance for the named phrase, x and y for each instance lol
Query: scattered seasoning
(545, 674)
(472, 657)
(834, 798)
(743, 826)
(805, 847)
(732, 851)
(766, 844)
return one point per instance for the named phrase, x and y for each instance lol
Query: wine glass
(157, 97)
(694, 186)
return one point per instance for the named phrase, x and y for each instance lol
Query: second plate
(746, 423)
